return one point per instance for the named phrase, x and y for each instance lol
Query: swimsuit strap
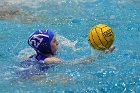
(40, 57)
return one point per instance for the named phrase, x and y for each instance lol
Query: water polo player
(45, 44)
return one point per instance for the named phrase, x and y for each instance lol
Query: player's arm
(89, 58)
(110, 49)
(52, 60)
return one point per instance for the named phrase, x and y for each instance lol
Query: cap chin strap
(45, 52)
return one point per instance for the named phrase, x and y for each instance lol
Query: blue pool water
(118, 72)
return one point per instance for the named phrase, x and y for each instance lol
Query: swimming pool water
(118, 72)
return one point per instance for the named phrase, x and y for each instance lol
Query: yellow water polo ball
(101, 37)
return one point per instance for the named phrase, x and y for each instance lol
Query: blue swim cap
(40, 41)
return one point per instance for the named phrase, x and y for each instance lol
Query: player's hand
(110, 50)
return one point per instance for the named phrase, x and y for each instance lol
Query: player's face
(54, 44)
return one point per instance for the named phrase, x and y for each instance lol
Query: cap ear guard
(44, 50)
